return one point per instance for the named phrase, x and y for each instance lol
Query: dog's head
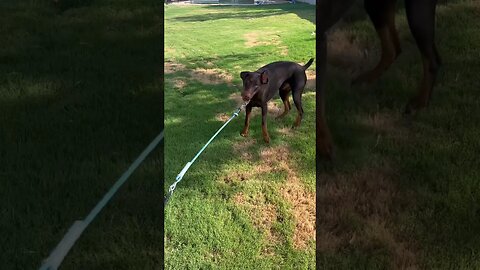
(252, 83)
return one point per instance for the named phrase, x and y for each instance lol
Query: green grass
(80, 98)
(204, 227)
(434, 164)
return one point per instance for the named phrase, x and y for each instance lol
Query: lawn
(243, 203)
(403, 195)
(80, 98)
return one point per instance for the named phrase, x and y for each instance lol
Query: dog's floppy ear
(264, 77)
(244, 74)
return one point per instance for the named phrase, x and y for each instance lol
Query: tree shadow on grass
(228, 15)
(80, 99)
(251, 12)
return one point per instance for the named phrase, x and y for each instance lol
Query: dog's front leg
(266, 137)
(248, 110)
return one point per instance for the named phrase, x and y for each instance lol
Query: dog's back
(285, 65)
(282, 71)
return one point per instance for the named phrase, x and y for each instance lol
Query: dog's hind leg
(297, 91)
(382, 15)
(284, 92)
(421, 20)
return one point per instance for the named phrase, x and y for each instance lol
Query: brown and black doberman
(421, 20)
(261, 85)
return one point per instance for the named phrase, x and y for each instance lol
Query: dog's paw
(244, 134)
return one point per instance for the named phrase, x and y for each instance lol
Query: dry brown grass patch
(378, 234)
(358, 209)
(172, 67)
(244, 148)
(287, 131)
(283, 50)
(303, 201)
(203, 75)
(273, 109)
(383, 122)
(211, 76)
(263, 38)
(303, 211)
(262, 213)
(277, 159)
(389, 124)
(222, 117)
(169, 50)
(380, 122)
(311, 79)
(179, 84)
(272, 106)
(236, 176)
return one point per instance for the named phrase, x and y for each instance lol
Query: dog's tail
(308, 64)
